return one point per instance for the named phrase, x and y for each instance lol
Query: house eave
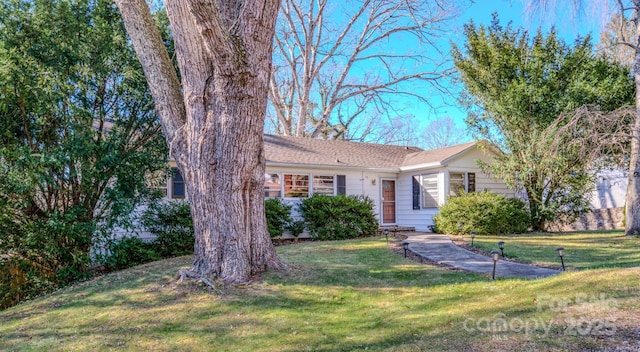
(333, 167)
(422, 166)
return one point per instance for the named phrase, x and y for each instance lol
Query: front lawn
(352, 295)
(582, 250)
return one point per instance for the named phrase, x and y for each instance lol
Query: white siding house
(406, 184)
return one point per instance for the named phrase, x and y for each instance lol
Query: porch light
(473, 235)
(501, 246)
(495, 255)
(561, 254)
(405, 246)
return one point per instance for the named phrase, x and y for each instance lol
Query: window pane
(296, 186)
(456, 184)
(342, 185)
(471, 182)
(177, 184)
(272, 185)
(323, 185)
(430, 191)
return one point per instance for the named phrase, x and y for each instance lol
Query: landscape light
(561, 254)
(501, 246)
(495, 255)
(405, 246)
(386, 233)
(473, 235)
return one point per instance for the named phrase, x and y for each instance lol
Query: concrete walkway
(439, 248)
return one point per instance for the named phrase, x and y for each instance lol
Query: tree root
(184, 275)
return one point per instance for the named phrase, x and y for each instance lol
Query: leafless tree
(338, 62)
(617, 31)
(629, 12)
(595, 137)
(442, 132)
(213, 120)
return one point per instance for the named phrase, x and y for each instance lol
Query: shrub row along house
(406, 184)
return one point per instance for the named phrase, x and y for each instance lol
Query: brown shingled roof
(440, 155)
(308, 151)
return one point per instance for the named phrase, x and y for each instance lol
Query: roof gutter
(430, 165)
(316, 166)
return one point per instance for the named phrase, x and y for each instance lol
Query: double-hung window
(303, 185)
(272, 185)
(296, 186)
(429, 185)
(461, 182)
(177, 184)
(323, 185)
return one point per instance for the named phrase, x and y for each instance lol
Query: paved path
(440, 249)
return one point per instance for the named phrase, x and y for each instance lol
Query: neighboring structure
(607, 204)
(406, 184)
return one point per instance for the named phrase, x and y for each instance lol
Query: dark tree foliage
(517, 86)
(78, 136)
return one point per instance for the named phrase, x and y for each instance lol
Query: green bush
(339, 217)
(296, 227)
(130, 251)
(42, 251)
(278, 216)
(172, 225)
(22, 279)
(484, 213)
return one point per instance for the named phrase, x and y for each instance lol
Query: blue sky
(508, 10)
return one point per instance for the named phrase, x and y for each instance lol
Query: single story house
(406, 184)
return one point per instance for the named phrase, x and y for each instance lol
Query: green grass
(338, 296)
(582, 250)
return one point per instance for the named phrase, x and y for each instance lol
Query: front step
(394, 228)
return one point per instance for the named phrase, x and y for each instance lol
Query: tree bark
(224, 56)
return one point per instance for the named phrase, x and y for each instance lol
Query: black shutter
(342, 185)
(471, 182)
(416, 192)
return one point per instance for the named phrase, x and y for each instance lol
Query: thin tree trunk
(224, 56)
(632, 205)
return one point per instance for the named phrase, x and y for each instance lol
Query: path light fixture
(473, 235)
(561, 254)
(495, 255)
(386, 234)
(395, 229)
(405, 246)
(501, 246)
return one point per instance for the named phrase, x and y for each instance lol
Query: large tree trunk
(224, 55)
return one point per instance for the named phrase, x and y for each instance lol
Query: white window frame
(423, 190)
(284, 185)
(333, 184)
(466, 181)
(279, 190)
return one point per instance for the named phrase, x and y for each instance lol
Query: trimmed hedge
(485, 213)
(278, 216)
(338, 217)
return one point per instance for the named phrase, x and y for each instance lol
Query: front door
(388, 201)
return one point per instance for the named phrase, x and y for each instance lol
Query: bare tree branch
(321, 63)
